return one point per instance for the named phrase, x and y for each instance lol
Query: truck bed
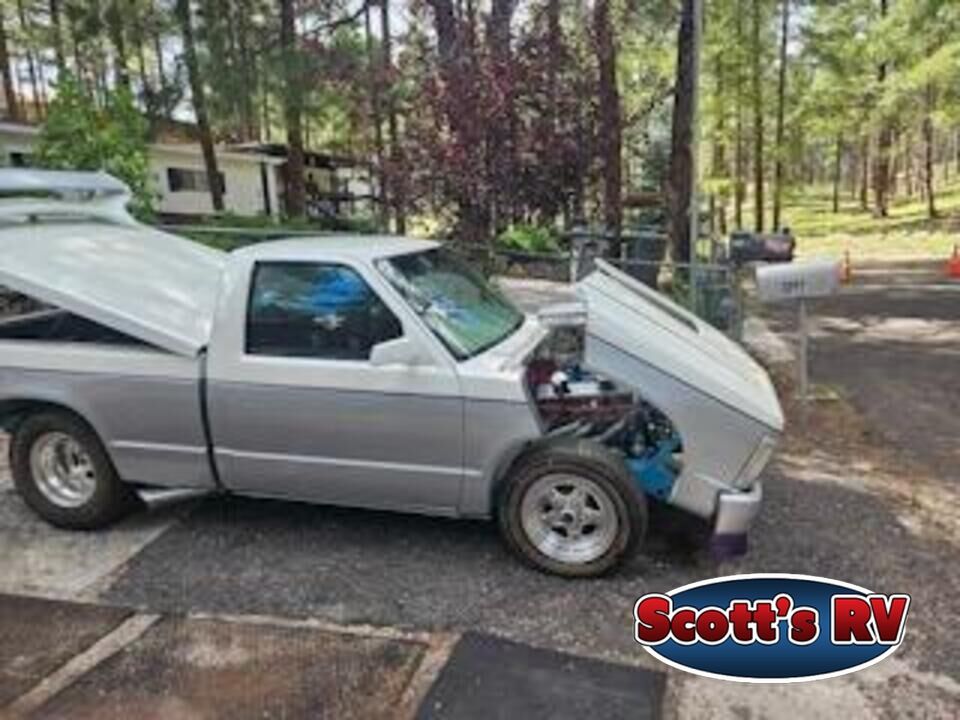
(144, 403)
(62, 326)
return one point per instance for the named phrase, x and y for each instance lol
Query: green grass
(907, 234)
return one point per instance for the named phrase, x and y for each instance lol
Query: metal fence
(711, 290)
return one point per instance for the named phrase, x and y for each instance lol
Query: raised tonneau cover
(150, 285)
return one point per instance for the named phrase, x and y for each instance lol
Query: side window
(185, 179)
(317, 311)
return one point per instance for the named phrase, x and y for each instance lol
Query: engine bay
(573, 401)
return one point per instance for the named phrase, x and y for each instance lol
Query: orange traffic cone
(846, 268)
(953, 264)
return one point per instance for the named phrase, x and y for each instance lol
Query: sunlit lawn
(906, 234)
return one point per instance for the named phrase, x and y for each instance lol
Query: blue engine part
(654, 471)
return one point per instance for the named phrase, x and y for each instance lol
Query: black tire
(582, 459)
(110, 500)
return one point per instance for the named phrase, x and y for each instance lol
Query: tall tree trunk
(248, 71)
(945, 158)
(266, 117)
(57, 27)
(501, 136)
(149, 94)
(956, 150)
(881, 170)
(42, 77)
(158, 51)
(31, 63)
(234, 70)
(374, 87)
(199, 104)
(458, 70)
(896, 165)
(79, 66)
(610, 136)
(865, 173)
(719, 169)
(837, 171)
(681, 139)
(928, 138)
(550, 201)
(292, 112)
(397, 171)
(115, 28)
(781, 111)
(908, 164)
(757, 48)
(740, 180)
(9, 92)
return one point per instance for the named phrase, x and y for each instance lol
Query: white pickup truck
(365, 371)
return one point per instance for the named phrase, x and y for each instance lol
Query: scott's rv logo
(770, 628)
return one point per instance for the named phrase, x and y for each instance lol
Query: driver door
(299, 411)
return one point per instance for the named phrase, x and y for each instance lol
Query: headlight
(758, 461)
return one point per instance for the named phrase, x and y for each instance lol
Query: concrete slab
(37, 636)
(192, 668)
(37, 559)
(487, 677)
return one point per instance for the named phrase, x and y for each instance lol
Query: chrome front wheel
(572, 508)
(568, 518)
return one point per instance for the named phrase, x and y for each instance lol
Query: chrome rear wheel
(63, 470)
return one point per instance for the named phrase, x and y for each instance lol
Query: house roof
(223, 153)
(313, 158)
(30, 132)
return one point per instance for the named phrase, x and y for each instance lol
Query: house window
(21, 159)
(315, 310)
(188, 180)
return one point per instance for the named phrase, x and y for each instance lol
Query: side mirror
(401, 351)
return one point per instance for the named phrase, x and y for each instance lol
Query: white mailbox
(795, 281)
(799, 281)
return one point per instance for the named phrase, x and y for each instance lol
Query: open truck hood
(155, 287)
(655, 331)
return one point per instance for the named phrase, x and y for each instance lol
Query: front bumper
(736, 510)
(735, 513)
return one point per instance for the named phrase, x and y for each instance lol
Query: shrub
(78, 135)
(529, 238)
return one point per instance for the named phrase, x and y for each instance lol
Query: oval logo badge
(770, 627)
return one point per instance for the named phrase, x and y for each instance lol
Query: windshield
(458, 305)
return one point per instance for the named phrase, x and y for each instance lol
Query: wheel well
(13, 412)
(526, 450)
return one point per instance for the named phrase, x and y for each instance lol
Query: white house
(252, 177)
(250, 182)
